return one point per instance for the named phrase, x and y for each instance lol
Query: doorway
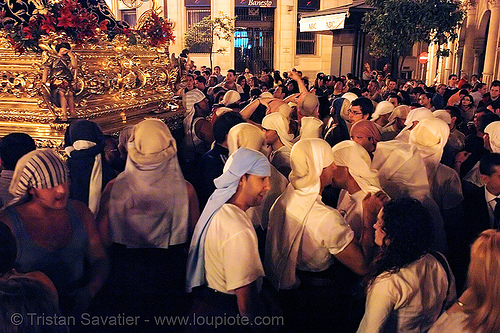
(254, 39)
(253, 49)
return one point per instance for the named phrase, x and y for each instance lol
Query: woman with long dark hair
(408, 287)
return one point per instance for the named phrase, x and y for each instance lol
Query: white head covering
(402, 173)
(443, 115)
(221, 110)
(493, 130)
(230, 97)
(430, 137)
(399, 112)
(41, 168)
(276, 121)
(241, 162)
(382, 108)
(190, 99)
(352, 155)
(148, 206)
(286, 221)
(401, 170)
(151, 142)
(266, 94)
(245, 135)
(285, 110)
(350, 96)
(310, 127)
(415, 115)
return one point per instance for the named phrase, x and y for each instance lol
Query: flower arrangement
(67, 16)
(80, 25)
(156, 30)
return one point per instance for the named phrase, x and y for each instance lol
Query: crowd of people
(341, 204)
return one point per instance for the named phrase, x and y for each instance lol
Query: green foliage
(204, 33)
(396, 25)
(200, 34)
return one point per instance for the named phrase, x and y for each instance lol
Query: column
(431, 65)
(491, 43)
(177, 14)
(285, 30)
(470, 33)
(226, 59)
(448, 61)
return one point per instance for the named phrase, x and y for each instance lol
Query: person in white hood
(306, 238)
(412, 120)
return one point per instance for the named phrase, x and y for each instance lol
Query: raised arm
(295, 76)
(358, 256)
(248, 110)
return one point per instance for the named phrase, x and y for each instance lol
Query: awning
(322, 23)
(326, 20)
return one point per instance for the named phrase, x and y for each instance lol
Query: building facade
(324, 36)
(267, 32)
(477, 51)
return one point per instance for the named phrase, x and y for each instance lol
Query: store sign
(255, 3)
(322, 23)
(197, 3)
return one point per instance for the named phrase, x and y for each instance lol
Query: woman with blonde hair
(477, 309)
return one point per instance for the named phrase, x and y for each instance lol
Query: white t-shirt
(231, 252)
(409, 300)
(326, 233)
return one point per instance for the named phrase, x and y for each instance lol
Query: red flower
(27, 32)
(48, 24)
(103, 25)
(70, 5)
(66, 19)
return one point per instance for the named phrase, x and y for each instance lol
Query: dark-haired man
(361, 108)
(452, 87)
(481, 202)
(479, 92)
(230, 82)
(217, 73)
(12, 147)
(492, 95)
(201, 84)
(223, 263)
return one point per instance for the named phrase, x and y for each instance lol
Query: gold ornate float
(117, 84)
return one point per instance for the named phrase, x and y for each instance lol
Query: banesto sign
(255, 3)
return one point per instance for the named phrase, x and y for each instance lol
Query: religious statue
(59, 75)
